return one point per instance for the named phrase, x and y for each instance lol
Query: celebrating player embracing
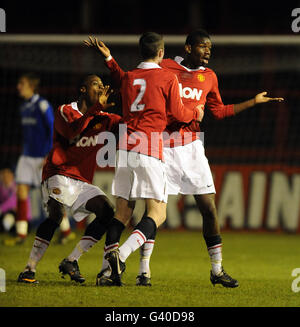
(198, 85)
(150, 101)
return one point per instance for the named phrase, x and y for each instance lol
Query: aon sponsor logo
(189, 93)
(87, 141)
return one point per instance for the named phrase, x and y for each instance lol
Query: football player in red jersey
(150, 101)
(68, 173)
(198, 85)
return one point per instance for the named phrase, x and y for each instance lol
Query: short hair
(149, 44)
(83, 81)
(33, 79)
(194, 36)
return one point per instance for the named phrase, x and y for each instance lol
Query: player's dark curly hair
(149, 44)
(195, 35)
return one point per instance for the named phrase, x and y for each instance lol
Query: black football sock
(138, 237)
(113, 234)
(46, 229)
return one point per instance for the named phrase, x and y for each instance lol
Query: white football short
(139, 176)
(188, 170)
(29, 171)
(72, 193)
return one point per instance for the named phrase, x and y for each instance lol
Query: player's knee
(209, 210)
(100, 224)
(22, 192)
(158, 217)
(105, 213)
(56, 211)
(161, 220)
(123, 218)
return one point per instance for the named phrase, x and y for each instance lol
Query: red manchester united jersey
(150, 101)
(196, 86)
(75, 143)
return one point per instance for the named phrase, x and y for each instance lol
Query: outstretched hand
(97, 45)
(104, 97)
(262, 98)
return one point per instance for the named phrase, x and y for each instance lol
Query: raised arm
(116, 71)
(99, 46)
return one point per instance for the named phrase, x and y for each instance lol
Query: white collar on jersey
(75, 107)
(179, 59)
(148, 65)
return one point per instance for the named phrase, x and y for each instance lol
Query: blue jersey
(37, 122)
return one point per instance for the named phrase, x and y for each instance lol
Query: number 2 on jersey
(136, 106)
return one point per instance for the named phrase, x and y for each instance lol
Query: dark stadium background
(241, 139)
(136, 16)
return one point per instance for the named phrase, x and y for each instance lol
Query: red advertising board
(249, 197)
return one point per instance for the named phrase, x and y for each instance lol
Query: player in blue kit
(37, 125)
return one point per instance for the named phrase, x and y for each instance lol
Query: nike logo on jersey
(189, 93)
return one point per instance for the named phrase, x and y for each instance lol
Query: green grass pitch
(262, 263)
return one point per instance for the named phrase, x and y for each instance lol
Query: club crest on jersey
(201, 77)
(56, 191)
(189, 93)
(97, 126)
